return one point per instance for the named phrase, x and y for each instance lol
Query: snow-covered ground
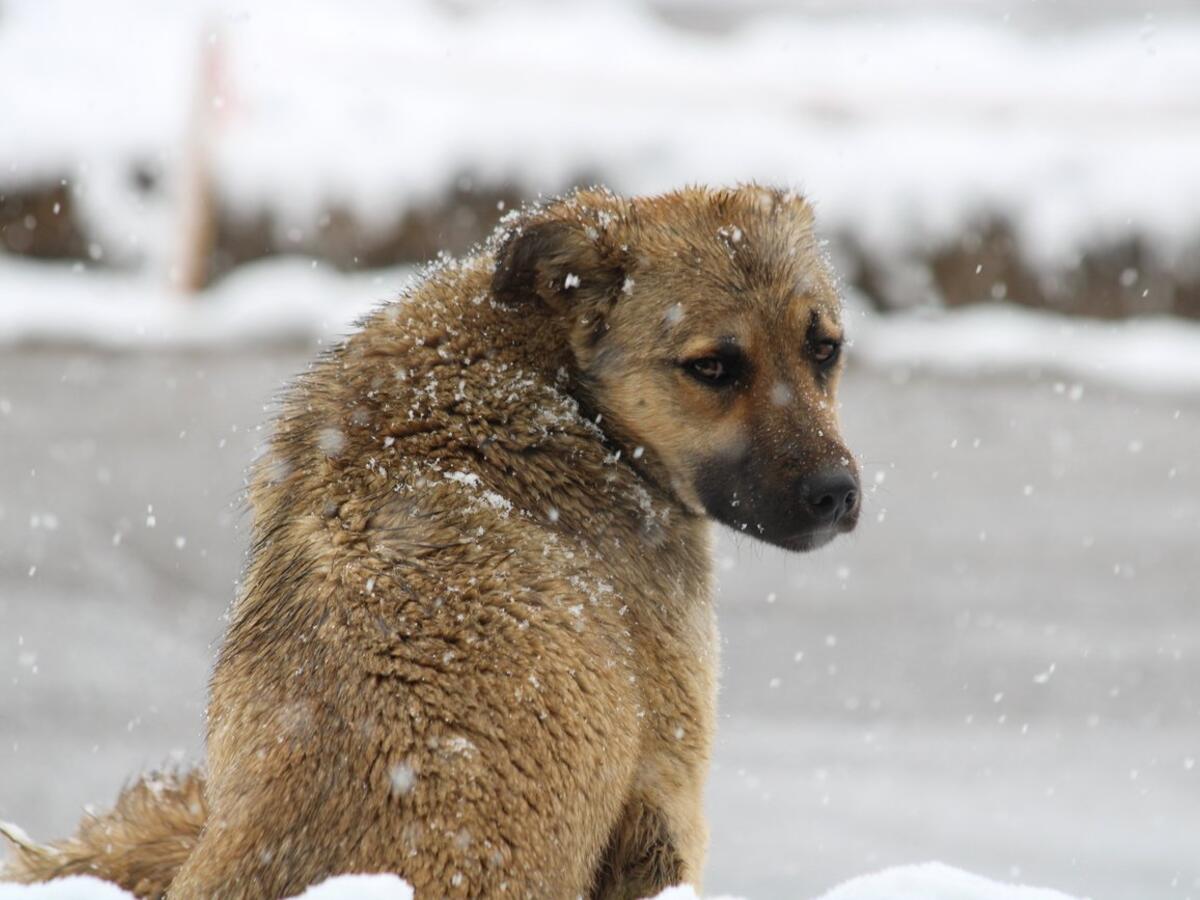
(999, 669)
(346, 887)
(903, 126)
(927, 882)
(288, 301)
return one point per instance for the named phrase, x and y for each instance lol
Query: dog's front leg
(652, 847)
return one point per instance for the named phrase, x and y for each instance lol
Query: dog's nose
(830, 496)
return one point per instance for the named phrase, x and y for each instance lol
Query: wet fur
(476, 644)
(140, 843)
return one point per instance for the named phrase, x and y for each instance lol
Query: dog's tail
(140, 844)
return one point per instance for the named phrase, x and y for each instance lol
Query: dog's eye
(715, 371)
(826, 352)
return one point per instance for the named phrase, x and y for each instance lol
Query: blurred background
(1000, 669)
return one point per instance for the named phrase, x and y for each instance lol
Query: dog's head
(706, 331)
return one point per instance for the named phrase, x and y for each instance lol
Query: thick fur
(140, 843)
(476, 643)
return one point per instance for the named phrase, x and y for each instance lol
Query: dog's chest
(671, 621)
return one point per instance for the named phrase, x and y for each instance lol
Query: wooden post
(198, 222)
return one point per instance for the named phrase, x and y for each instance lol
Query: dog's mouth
(798, 537)
(809, 540)
(794, 541)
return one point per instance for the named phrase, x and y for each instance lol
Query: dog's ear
(564, 263)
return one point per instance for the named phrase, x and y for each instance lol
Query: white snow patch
(934, 881)
(491, 498)
(84, 887)
(76, 887)
(1150, 354)
(331, 441)
(781, 394)
(360, 887)
(1073, 135)
(496, 501)
(279, 301)
(461, 745)
(283, 301)
(928, 881)
(402, 778)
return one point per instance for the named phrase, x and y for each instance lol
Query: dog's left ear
(568, 264)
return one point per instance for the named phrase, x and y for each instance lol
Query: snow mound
(930, 881)
(274, 301)
(685, 892)
(934, 881)
(84, 887)
(287, 300)
(360, 887)
(77, 887)
(1146, 354)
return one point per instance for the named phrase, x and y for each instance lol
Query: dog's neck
(500, 385)
(447, 420)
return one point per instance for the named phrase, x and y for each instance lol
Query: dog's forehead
(754, 319)
(813, 301)
(742, 247)
(703, 290)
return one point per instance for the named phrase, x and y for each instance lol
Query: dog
(476, 644)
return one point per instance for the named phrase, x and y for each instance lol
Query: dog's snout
(830, 496)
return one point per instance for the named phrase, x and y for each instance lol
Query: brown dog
(476, 644)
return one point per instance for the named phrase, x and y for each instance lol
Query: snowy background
(1000, 669)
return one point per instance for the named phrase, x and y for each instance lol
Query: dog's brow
(814, 327)
(823, 326)
(725, 343)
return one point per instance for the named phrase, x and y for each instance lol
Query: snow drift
(290, 301)
(931, 881)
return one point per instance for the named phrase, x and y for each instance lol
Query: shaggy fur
(140, 843)
(476, 642)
